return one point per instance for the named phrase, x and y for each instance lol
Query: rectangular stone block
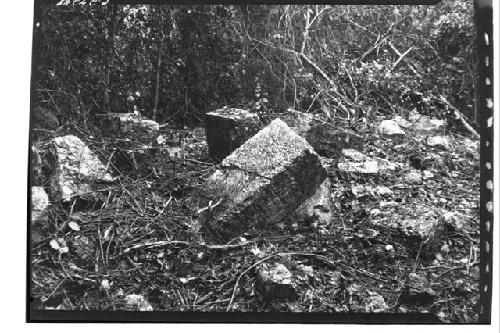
(326, 138)
(227, 129)
(260, 184)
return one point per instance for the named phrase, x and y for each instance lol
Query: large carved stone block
(229, 128)
(260, 184)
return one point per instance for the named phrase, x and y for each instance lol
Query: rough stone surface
(419, 226)
(39, 204)
(439, 141)
(327, 139)
(75, 169)
(354, 162)
(260, 184)
(433, 161)
(137, 303)
(36, 174)
(275, 282)
(317, 209)
(228, 128)
(390, 128)
(132, 127)
(421, 123)
(417, 291)
(413, 177)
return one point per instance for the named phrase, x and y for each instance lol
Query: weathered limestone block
(228, 128)
(39, 204)
(275, 282)
(317, 209)
(327, 139)
(132, 127)
(75, 169)
(260, 184)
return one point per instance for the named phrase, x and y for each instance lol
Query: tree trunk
(157, 80)
(109, 51)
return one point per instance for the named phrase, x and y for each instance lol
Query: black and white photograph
(274, 162)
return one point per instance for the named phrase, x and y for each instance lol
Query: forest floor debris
(142, 241)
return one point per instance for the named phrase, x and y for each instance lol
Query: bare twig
(459, 116)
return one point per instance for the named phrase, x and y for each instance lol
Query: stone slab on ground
(131, 127)
(228, 128)
(260, 184)
(275, 283)
(75, 169)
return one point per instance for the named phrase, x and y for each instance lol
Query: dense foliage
(175, 63)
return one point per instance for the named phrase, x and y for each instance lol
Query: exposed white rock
(137, 303)
(439, 141)
(76, 170)
(413, 177)
(275, 282)
(39, 204)
(390, 128)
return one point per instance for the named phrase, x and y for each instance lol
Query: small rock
(384, 190)
(417, 291)
(275, 282)
(427, 174)
(439, 141)
(365, 168)
(137, 303)
(375, 302)
(434, 161)
(402, 122)
(386, 204)
(375, 212)
(355, 162)
(39, 204)
(423, 123)
(390, 128)
(413, 177)
(389, 248)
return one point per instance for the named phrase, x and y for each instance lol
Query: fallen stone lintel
(260, 184)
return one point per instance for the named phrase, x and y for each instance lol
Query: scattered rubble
(355, 162)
